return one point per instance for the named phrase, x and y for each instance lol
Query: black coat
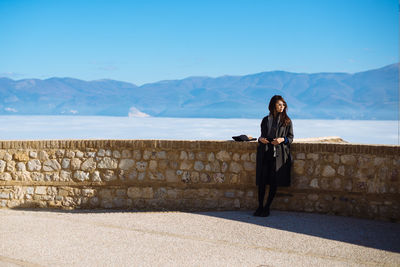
(284, 156)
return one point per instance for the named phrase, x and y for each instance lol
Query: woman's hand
(263, 140)
(277, 141)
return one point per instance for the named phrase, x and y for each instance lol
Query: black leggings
(268, 169)
(261, 195)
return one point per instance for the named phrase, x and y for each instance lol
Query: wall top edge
(308, 147)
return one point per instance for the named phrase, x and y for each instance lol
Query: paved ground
(104, 238)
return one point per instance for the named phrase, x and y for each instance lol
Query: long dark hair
(283, 117)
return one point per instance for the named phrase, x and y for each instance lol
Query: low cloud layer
(96, 127)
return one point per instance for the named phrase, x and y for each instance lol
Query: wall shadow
(364, 232)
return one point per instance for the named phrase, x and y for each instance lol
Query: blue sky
(148, 41)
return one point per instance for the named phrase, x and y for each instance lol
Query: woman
(273, 153)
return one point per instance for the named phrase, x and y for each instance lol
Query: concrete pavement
(233, 238)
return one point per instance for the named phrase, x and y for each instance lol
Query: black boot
(265, 212)
(258, 211)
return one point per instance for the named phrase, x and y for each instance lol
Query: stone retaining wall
(341, 179)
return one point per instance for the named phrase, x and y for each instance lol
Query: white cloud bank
(99, 127)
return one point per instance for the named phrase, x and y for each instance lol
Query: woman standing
(273, 153)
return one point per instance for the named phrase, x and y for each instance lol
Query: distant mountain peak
(370, 94)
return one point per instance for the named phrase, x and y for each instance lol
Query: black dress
(269, 159)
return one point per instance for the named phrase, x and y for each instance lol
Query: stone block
(116, 154)
(89, 165)
(126, 164)
(229, 193)
(121, 192)
(235, 167)
(312, 156)
(34, 165)
(76, 164)
(314, 183)
(101, 152)
(153, 165)
(33, 154)
(195, 177)
(137, 154)
(126, 153)
(348, 159)
(161, 155)
(219, 177)
(43, 156)
(105, 194)
(249, 166)
(298, 167)
(328, 171)
(245, 157)
(88, 192)
(3, 165)
(37, 176)
(30, 190)
(147, 154)
(134, 192)
(21, 156)
(65, 163)
(94, 201)
(185, 177)
(161, 193)
(223, 156)
(141, 176)
(162, 164)
(109, 175)
(4, 194)
(96, 176)
(81, 176)
(51, 165)
(5, 176)
(172, 193)
(186, 165)
(21, 166)
(65, 175)
(141, 166)
(90, 154)
(69, 154)
(234, 178)
(147, 192)
(224, 167)
(198, 166)
(205, 178)
(107, 163)
(201, 156)
(40, 190)
(10, 166)
(300, 156)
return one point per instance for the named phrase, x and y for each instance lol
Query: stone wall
(341, 179)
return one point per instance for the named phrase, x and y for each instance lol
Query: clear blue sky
(147, 41)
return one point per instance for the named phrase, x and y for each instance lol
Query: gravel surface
(230, 238)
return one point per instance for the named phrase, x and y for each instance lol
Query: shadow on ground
(363, 232)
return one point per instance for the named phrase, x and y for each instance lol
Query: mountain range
(372, 94)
